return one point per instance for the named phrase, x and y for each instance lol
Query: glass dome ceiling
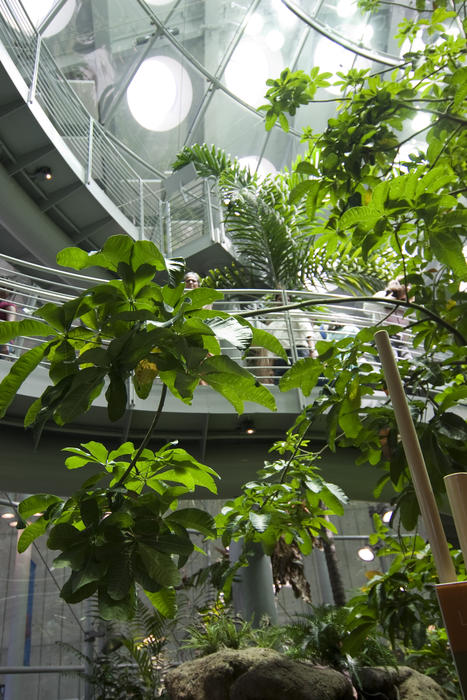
(163, 74)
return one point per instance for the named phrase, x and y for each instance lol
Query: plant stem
(345, 300)
(146, 438)
(445, 145)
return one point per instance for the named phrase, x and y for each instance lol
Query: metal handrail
(29, 286)
(87, 139)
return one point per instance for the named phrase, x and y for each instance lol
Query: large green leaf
(263, 339)
(37, 503)
(28, 326)
(159, 566)
(116, 396)
(448, 248)
(164, 601)
(31, 533)
(63, 536)
(146, 253)
(110, 609)
(359, 215)
(74, 557)
(193, 518)
(235, 383)
(81, 594)
(119, 577)
(260, 521)
(349, 418)
(304, 375)
(172, 543)
(200, 297)
(21, 369)
(92, 571)
(186, 476)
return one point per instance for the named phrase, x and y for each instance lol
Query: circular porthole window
(262, 167)
(160, 94)
(247, 72)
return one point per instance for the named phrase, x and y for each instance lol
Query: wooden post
(452, 594)
(421, 481)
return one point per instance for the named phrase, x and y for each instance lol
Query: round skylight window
(332, 58)
(247, 72)
(160, 94)
(264, 168)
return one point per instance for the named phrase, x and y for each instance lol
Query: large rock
(255, 674)
(403, 683)
(414, 685)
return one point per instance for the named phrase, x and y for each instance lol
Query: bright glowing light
(160, 95)
(285, 18)
(406, 149)
(346, 8)
(387, 516)
(361, 32)
(247, 72)
(38, 10)
(416, 45)
(254, 24)
(275, 39)
(264, 168)
(7, 516)
(13, 523)
(366, 553)
(421, 121)
(332, 58)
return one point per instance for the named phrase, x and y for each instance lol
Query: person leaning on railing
(7, 313)
(303, 337)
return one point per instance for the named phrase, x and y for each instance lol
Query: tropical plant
(401, 605)
(122, 527)
(217, 628)
(401, 602)
(289, 500)
(321, 635)
(356, 186)
(275, 244)
(434, 659)
(132, 660)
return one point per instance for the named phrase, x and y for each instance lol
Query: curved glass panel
(167, 73)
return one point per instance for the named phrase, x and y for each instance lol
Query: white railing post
(141, 209)
(35, 71)
(90, 151)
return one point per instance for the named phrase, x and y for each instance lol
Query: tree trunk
(335, 578)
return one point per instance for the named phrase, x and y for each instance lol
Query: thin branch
(406, 7)
(445, 145)
(404, 268)
(146, 438)
(441, 115)
(345, 300)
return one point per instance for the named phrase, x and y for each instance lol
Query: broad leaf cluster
(290, 499)
(125, 533)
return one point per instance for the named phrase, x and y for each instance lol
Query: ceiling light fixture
(387, 516)
(366, 553)
(43, 173)
(247, 426)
